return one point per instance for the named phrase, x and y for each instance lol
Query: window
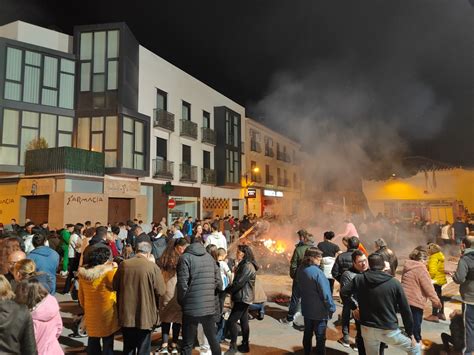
(21, 127)
(206, 119)
(186, 111)
(161, 100)
(267, 174)
(253, 168)
(161, 148)
(206, 159)
(232, 129)
(46, 79)
(99, 53)
(186, 154)
(133, 147)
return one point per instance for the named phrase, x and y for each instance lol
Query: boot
(243, 348)
(432, 318)
(232, 349)
(441, 316)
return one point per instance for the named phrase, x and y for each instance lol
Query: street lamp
(255, 170)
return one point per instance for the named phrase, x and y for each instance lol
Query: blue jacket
(316, 297)
(46, 260)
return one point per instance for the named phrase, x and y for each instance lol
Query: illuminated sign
(272, 193)
(251, 193)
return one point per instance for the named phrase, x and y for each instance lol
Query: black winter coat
(242, 288)
(199, 279)
(343, 263)
(16, 329)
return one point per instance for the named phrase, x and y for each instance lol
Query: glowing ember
(275, 246)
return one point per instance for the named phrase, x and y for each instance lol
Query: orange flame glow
(275, 246)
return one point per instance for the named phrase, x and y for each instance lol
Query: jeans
(417, 314)
(295, 302)
(94, 348)
(360, 341)
(136, 341)
(436, 311)
(165, 332)
(374, 336)
(468, 310)
(259, 307)
(240, 311)
(318, 327)
(190, 329)
(345, 320)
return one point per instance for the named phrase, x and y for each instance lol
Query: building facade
(273, 173)
(126, 131)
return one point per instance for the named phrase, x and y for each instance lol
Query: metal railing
(163, 169)
(163, 119)
(188, 173)
(64, 160)
(255, 146)
(208, 135)
(188, 129)
(208, 176)
(269, 180)
(283, 182)
(256, 178)
(269, 152)
(283, 156)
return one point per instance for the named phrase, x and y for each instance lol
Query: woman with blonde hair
(16, 326)
(26, 269)
(44, 310)
(438, 277)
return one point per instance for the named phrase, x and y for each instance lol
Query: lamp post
(255, 170)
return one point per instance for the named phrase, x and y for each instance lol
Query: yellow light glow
(256, 169)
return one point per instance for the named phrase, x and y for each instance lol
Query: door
(119, 210)
(37, 208)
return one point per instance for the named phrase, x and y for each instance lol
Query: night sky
(244, 48)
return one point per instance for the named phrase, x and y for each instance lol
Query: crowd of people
(131, 278)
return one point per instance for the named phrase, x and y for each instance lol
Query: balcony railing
(64, 160)
(163, 119)
(163, 169)
(208, 176)
(188, 173)
(283, 182)
(283, 156)
(189, 129)
(269, 152)
(269, 180)
(256, 178)
(255, 146)
(208, 135)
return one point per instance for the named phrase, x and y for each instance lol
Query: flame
(275, 246)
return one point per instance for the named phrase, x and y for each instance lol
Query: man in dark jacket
(464, 276)
(380, 297)
(306, 242)
(344, 260)
(387, 254)
(45, 258)
(198, 281)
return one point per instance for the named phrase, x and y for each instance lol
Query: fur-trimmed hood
(433, 248)
(94, 273)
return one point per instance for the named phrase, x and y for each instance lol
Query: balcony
(188, 173)
(208, 176)
(255, 146)
(64, 160)
(269, 180)
(269, 152)
(163, 169)
(283, 156)
(188, 129)
(283, 182)
(163, 119)
(257, 178)
(208, 135)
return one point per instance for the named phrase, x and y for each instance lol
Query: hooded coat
(48, 325)
(16, 329)
(242, 288)
(416, 283)
(46, 260)
(98, 300)
(436, 265)
(380, 297)
(199, 278)
(464, 275)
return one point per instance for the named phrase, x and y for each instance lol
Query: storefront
(172, 201)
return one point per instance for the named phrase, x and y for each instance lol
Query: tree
(37, 143)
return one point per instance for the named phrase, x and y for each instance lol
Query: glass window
(83, 130)
(161, 97)
(139, 137)
(206, 119)
(110, 159)
(113, 44)
(127, 151)
(33, 58)
(48, 128)
(49, 97)
(67, 66)
(139, 162)
(86, 46)
(9, 155)
(186, 111)
(50, 73)
(98, 83)
(96, 144)
(111, 132)
(65, 123)
(112, 72)
(27, 135)
(97, 124)
(11, 124)
(31, 84)
(85, 76)
(128, 124)
(12, 91)
(30, 119)
(99, 52)
(66, 94)
(14, 57)
(65, 140)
